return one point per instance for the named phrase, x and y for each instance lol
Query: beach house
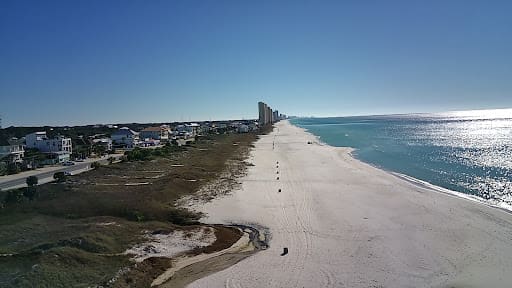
(58, 149)
(155, 133)
(41, 142)
(125, 138)
(13, 152)
(243, 128)
(188, 130)
(106, 143)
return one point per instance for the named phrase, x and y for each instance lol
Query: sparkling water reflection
(467, 151)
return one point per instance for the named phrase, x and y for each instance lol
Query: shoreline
(415, 181)
(422, 183)
(349, 224)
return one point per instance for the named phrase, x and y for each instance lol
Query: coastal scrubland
(75, 233)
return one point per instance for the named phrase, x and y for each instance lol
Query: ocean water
(467, 151)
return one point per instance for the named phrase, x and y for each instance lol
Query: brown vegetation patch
(225, 238)
(59, 234)
(142, 274)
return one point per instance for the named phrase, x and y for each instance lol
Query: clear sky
(78, 62)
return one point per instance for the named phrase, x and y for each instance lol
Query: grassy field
(74, 233)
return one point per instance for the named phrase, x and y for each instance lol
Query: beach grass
(74, 233)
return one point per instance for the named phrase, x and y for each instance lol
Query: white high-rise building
(266, 115)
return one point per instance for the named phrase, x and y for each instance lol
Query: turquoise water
(468, 151)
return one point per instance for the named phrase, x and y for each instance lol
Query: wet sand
(348, 224)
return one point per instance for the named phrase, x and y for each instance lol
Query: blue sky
(79, 62)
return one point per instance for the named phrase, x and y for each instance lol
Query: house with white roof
(40, 141)
(125, 137)
(188, 130)
(59, 149)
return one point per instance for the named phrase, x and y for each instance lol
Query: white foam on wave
(410, 179)
(496, 204)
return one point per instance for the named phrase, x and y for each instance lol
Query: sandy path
(347, 224)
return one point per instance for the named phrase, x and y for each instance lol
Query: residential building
(14, 152)
(58, 149)
(194, 128)
(253, 126)
(57, 157)
(166, 134)
(188, 130)
(205, 127)
(104, 142)
(125, 138)
(243, 128)
(41, 142)
(235, 124)
(155, 133)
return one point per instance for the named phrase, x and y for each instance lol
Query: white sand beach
(348, 224)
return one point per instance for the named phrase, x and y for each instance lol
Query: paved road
(14, 181)
(20, 181)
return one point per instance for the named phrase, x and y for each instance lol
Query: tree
(138, 154)
(59, 176)
(99, 149)
(32, 181)
(13, 168)
(95, 165)
(35, 157)
(31, 187)
(3, 168)
(14, 196)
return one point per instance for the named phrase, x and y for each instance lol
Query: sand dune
(347, 224)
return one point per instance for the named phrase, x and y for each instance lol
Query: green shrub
(182, 217)
(138, 154)
(136, 216)
(3, 168)
(14, 196)
(31, 191)
(13, 168)
(60, 177)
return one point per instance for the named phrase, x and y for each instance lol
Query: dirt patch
(225, 237)
(168, 245)
(144, 273)
(202, 269)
